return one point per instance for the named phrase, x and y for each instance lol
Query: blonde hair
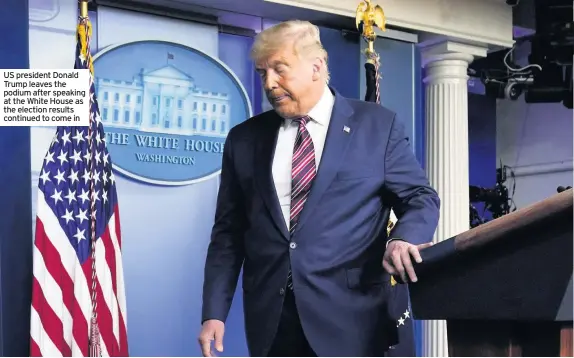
(303, 35)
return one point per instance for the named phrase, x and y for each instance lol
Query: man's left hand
(397, 260)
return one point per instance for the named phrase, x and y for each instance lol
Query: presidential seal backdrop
(167, 109)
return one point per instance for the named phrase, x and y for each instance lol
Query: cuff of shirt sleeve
(393, 239)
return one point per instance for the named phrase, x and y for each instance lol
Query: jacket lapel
(339, 136)
(264, 153)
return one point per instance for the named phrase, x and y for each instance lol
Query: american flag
(78, 296)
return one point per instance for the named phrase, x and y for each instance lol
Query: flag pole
(369, 17)
(94, 334)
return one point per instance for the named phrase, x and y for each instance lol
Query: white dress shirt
(317, 128)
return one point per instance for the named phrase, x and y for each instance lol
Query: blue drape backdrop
(15, 211)
(344, 60)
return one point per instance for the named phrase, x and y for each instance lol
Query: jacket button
(281, 291)
(293, 245)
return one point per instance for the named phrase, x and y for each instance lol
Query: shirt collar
(321, 113)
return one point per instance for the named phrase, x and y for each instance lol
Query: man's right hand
(212, 330)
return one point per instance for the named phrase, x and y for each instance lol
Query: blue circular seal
(166, 109)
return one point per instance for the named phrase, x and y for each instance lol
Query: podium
(504, 287)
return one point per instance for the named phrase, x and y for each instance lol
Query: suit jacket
(337, 248)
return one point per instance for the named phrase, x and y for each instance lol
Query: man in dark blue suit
(305, 195)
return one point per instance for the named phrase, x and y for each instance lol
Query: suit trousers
(290, 340)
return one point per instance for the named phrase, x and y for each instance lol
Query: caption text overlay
(44, 98)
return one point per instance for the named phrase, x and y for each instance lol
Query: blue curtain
(15, 214)
(343, 61)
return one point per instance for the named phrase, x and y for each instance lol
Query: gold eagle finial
(370, 16)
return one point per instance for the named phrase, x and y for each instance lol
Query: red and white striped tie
(303, 171)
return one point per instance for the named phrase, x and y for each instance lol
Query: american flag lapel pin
(346, 129)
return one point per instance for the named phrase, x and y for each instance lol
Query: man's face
(288, 81)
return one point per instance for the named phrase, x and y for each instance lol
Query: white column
(447, 153)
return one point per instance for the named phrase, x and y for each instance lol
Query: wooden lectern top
(518, 266)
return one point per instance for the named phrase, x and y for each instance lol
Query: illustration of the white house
(164, 100)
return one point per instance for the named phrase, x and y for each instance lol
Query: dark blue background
(16, 212)
(344, 61)
(482, 144)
